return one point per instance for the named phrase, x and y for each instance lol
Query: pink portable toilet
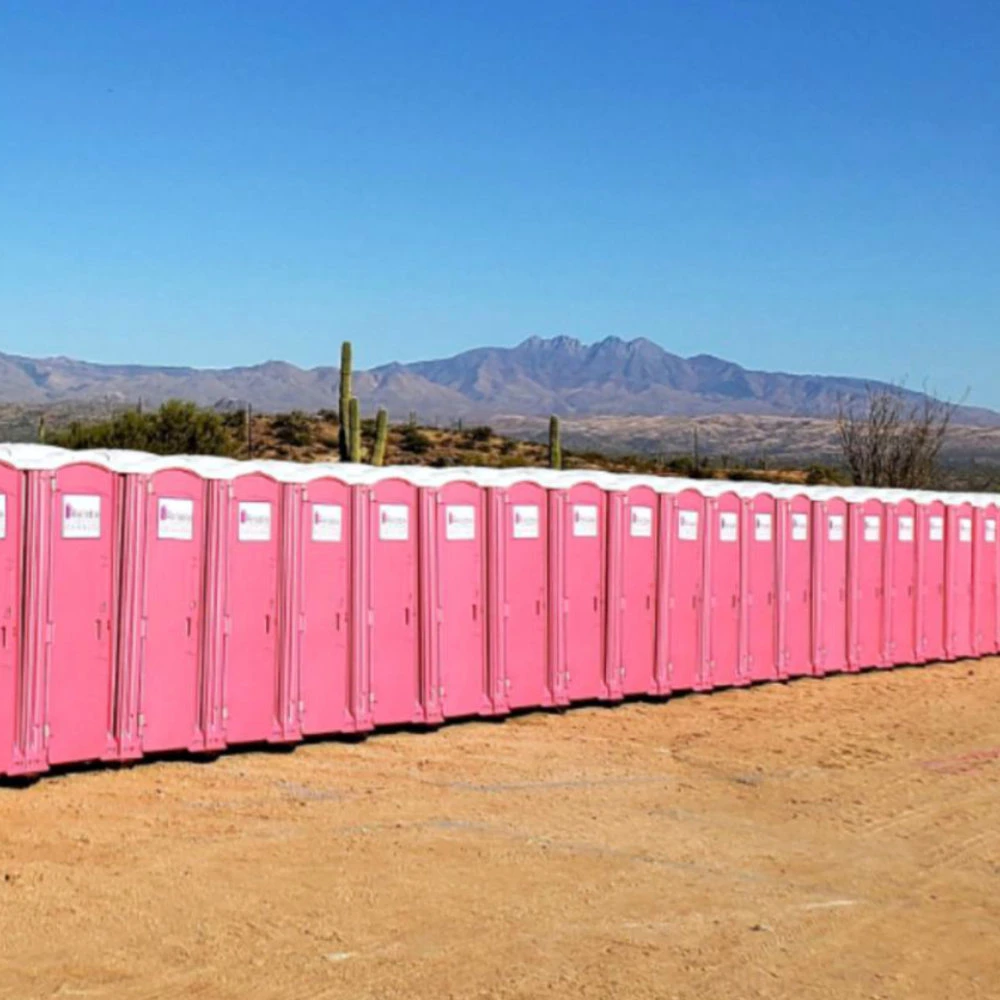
(577, 560)
(633, 539)
(518, 617)
(723, 583)
(795, 581)
(245, 697)
(829, 582)
(682, 567)
(454, 575)
(392, 637)
(320, 681)
(865, 581)
(70, 610)
(158, 705)
(759, 555)
(958, 580)
(11, 547)
(519, 593)
(931, 516)
(984, 569)
(902, 587)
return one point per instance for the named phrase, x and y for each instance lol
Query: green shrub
(479, 435)
(819, 475)
(414, 440)
(176, 428)
(294, 429)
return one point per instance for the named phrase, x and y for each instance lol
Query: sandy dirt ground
(834, 839)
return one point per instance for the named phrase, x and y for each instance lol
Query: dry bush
(893, 438)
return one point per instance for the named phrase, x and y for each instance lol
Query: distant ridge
(537, 377)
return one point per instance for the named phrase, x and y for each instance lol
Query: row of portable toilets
(187, 604)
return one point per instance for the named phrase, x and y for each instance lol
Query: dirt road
(833, 839)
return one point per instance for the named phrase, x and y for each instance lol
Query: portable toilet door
(633, 522)
(394, 677)
(684, 563)
(80, 611)
(794, 530)
(327, 682)
(958, 581)
(830, 585)
(931, 580)
(903, 581)
(518, 618)
(723, 582)
(10, 612)
(865, 583)
(578, 539)
(456, 565)
(160, 678)
(760, 605)
(252, 601)
(985, 579)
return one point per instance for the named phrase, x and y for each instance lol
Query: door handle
(538, 607)
(188, 622)
(406, 616)
(267, 624)
(475, 612)
(98, 629)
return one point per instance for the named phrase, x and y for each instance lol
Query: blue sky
(795, 185)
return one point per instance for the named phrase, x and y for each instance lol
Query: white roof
(42, 457)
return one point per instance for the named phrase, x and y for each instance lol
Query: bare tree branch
(894, 438)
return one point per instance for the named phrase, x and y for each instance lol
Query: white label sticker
(936, 530)
(327, 522)
(640, 523)
(175, 519)
(990, 531)
(81, 516)
(873, 527)
(393, 522)
(835, 527)
(585, 520)
(255, 521)
(800, 527)
(905, 525)
(965, 529)
(3, 515)
(459, 522)
(728, 531)
(526, 521)
(762, 527)
(687, 525)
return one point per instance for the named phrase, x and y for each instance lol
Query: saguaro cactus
(381, 436)
(41, 429)
(354, 422)
(345, 436)
(555, 444)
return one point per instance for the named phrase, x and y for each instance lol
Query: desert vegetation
(888, 438)
(891, 439)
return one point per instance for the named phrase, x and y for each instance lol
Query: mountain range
(539, 376)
